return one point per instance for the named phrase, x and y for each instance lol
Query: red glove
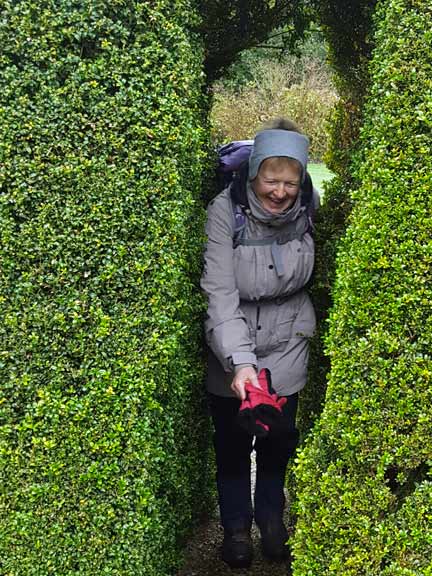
(261, 407)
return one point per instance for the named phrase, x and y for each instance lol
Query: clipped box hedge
(365, 487)
(102, 445)
(348, 30)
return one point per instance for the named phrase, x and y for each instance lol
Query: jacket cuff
(238, 367)
(244, 358)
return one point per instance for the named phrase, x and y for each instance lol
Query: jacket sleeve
(226, 330)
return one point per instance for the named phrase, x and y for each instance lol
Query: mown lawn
(319, 173)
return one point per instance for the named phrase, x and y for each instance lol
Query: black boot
(274, 536)
(237, 549)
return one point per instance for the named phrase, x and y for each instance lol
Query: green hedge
(346, 25)
(102, 442)
(348, 30)
(365, 486)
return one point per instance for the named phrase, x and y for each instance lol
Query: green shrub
(103, 448)
(346, 25)
(348, 30)
(364, 503)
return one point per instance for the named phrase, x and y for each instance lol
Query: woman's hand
(246, 374)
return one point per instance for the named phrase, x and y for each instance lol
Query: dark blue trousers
(233, 447)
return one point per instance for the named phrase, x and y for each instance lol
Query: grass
(319, 174)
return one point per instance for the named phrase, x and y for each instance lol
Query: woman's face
(277, 187)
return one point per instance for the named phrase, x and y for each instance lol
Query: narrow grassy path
(202, 556)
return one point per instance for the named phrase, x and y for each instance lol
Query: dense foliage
(261, 88)
(102, 461)
(243, 71)
(348, 29)
(365, 486)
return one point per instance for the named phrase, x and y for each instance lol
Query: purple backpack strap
(239, 223)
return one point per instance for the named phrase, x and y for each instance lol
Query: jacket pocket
(284, 330)
(299, 260)
(304, 330)
(305, 324)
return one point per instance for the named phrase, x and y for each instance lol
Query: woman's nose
(280, 190)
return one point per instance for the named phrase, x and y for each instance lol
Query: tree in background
(266, 82)
(231, 27)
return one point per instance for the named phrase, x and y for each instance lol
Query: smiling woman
(259, 316)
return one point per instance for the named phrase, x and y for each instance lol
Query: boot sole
(238, 564)
(242, 562)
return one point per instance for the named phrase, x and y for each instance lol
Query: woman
(259, 316)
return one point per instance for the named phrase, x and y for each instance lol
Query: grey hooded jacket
(258, 310)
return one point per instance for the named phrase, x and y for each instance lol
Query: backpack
(233, 169)
(230, 157)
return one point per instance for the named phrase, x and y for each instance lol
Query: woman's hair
(282, 123)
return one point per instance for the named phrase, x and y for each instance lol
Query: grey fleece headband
(277, 142)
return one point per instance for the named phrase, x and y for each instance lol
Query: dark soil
(202, 556)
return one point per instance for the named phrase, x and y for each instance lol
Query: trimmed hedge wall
(103, 440)
(365, 486)
(348, 29)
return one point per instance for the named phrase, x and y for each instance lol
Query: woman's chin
(276, 208)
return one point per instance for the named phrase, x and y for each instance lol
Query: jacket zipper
(258, 327)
